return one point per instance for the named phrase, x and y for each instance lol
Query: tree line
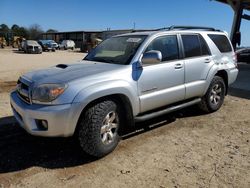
(33, 32)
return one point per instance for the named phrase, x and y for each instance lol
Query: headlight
(47, 92)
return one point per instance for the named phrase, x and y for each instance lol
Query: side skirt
(166, 110)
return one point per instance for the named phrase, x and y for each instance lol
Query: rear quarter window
(222, 42)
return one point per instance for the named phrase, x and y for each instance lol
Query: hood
(64, 73)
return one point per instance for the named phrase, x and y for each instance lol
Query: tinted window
(191, 45)
(167, 45)
(221, 42)
(204, 47)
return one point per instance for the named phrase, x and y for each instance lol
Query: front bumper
(46, 48)
(62, 119)
(34, 50)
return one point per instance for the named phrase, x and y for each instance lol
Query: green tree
(23, 32)
(51, 31)
(15, 29)
(4, 28)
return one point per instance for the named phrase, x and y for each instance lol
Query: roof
(97, 31)
(246, 3)
(153, 32)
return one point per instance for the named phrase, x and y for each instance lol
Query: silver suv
(126, 79)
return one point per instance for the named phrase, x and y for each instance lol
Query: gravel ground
(184, 149)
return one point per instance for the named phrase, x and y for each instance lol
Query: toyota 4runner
(126, 79)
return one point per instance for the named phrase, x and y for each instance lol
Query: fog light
(42, 124)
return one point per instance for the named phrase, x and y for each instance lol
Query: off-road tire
(206, 104)
(90, 124)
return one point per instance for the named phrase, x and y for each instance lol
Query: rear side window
(194, 45)
(221, 42)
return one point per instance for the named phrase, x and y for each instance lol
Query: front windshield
(116, 50)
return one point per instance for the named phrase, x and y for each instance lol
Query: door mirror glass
(152, 57)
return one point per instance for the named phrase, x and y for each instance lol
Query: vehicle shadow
(164, 120)
(19, 150)
(21, 52)
(18, 51)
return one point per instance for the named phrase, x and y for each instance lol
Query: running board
(166, 110)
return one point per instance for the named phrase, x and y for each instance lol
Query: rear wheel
(98, 128)
(214, 97)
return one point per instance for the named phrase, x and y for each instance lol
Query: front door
(162, 83)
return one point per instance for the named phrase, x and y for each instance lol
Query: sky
(75, 15)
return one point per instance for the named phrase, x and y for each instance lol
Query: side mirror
(151, 57)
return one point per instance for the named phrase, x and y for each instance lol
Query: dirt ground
(184, 149)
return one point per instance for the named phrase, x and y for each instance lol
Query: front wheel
(98, 128)
(214, 97)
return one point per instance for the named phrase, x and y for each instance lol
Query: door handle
(207, 60)
(178, 66)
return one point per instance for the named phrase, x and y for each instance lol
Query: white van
(67, 44)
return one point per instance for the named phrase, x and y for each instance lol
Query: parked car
(126, 79)
(54, 44)
(31, 46)
(67, 44)
(243, 55)
(47, 45)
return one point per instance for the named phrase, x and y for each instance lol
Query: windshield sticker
(134, 40)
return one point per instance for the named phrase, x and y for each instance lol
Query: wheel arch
(214, 71)
(121, 100)
(223, 74)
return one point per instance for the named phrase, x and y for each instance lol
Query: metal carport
(238, 7)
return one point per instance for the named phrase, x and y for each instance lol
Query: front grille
(23, 90)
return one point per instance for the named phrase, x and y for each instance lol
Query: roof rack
(188, 28)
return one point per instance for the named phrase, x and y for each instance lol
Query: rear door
(198, 62)
(163, 83)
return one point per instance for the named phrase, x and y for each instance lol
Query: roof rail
(174, 27)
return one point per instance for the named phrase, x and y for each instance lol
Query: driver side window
(167, 45)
